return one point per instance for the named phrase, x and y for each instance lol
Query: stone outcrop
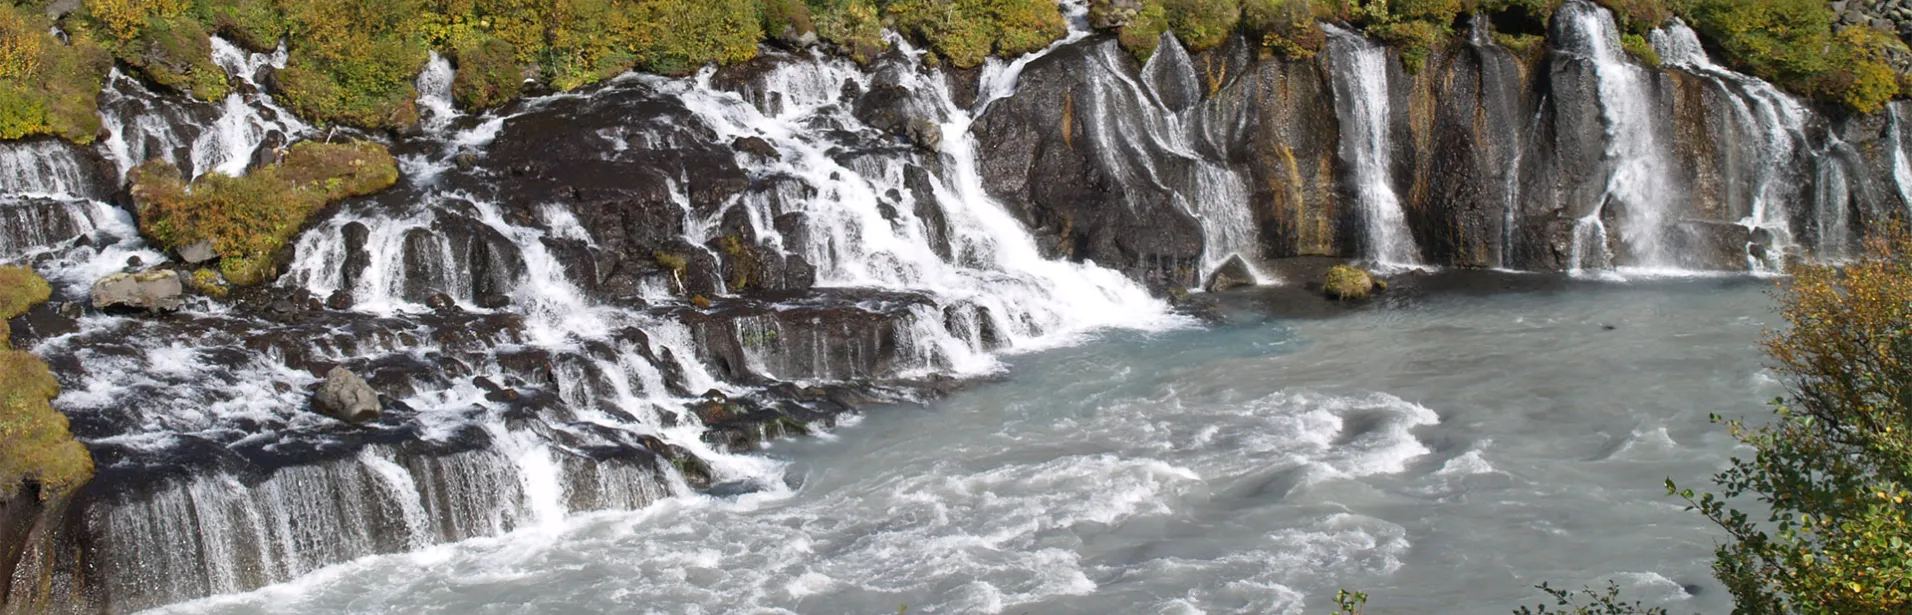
(158, 290)
(346, 397)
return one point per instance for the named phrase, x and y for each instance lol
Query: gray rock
(346, 397)
(1233, 273)
(197, 252)
(926, 134)
(156, 290)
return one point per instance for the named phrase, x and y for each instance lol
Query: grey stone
(1234, 273)
(346, 397)
(197, 252)
(155, 290)
(926, 134)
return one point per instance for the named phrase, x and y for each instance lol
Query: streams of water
(1638, 183)
(1361, 102)
(1443, 455)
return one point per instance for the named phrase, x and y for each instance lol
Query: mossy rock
(35, 445)
(1348, 283)
(250, 219)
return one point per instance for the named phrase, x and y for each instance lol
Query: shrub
(1792, 44)
(676, 37)
(1284, 27)
(253, 24)
(1145, 32)
(854, 28)
(1638, 16)
(175, 52)
(249, 219)
(1202, 24)
(1415, 39)
(1636, 46)
(1834, 468)
(787, 19)
(34, 442)
(353, 62)
(47, 88)
(488, 73)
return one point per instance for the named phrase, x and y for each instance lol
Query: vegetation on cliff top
(35, 445)
(249, 219)
(47, 87)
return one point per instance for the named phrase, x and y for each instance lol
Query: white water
(1771, 119)
(1638, 183)
(1361, 102)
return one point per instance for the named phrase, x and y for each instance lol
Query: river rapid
(1443, 452)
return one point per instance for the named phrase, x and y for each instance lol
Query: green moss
(35, 444)
(1145, 32)
(1203, 24)
(1636, 46)
(20, 288)
(1344, 282)
(1523, 45)
(488, 73)
(209, 283)
(249, 219)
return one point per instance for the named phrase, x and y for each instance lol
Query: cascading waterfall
(1901, 160)
(1361, 102)
(1638, 184)
(1769, 118)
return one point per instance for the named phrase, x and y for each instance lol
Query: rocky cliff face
(591, 301)
(1571, 158)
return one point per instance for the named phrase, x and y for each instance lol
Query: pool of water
(1444, 454)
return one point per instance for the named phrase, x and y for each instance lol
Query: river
(1444, 452)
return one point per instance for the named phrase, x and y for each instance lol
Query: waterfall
(1767, 117)
(248, 117)
(1361, 103)
(1638, 185)
(1901, 160)
(434, 94)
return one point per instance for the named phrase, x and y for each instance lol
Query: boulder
(197, 252)
(1233, 273)
(346, 397)
(1344, 282)
(155, 290)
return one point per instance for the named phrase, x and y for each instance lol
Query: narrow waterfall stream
(1362, 103)
(1638, 186)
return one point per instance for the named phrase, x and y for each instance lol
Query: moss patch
(488, 73)
(249, 219)
(176, 53)
(1344, 282)
(35, 444)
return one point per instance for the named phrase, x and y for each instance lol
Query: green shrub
(787, 19)
(1142, 35)
(254, 24)
(676, 37)
(854, 28)
(1638, 16)
(1415, 39)
(249, 219)
(1203, 24)
(1792, 44)
(353, 62)
(47, 88)
(1636, 46)
(1284, 27)
(176, 53)
(966, 32)
(1833, 470)
(488, 73)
